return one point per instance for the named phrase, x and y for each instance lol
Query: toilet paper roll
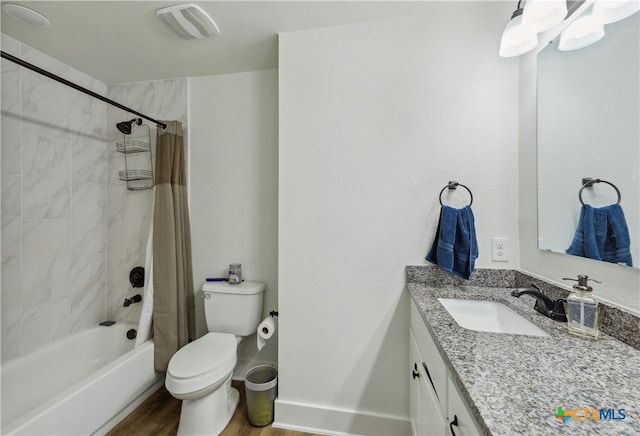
(266, 329)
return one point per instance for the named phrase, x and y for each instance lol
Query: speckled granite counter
(514, 384)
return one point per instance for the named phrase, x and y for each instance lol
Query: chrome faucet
(544, 305)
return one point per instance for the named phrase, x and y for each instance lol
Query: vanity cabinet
(426, 412)
(436, 406)
(459, 414)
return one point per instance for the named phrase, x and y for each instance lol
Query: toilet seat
(201, 364)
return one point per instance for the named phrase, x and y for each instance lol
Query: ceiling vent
(189, 21)
(25, 15)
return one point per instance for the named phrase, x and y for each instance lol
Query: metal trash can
(261, 386)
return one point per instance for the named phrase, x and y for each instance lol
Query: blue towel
(602, 234)
(455, 248)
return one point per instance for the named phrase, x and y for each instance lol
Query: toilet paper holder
(266, 329)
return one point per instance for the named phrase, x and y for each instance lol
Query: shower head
(125, 126)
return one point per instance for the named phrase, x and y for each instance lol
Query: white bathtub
(78, 385)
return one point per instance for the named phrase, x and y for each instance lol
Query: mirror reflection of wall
(589, 126)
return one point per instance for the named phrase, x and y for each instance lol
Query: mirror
(589, 126)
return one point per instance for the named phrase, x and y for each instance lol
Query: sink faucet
(544, 305)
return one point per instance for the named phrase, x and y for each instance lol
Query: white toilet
(200, 373)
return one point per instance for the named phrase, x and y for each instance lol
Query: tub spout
(129, 301)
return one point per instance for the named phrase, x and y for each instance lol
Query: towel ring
(454, 185)
(588, 182)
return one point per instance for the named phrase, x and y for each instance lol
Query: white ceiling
(124, 41)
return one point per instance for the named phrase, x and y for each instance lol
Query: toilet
(200, 373)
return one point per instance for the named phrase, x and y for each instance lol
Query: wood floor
(160, 413)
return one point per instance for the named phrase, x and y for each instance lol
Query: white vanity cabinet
(426, 412)
(459, 414)
(437, 407)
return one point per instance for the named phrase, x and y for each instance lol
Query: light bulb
(584, 31)
(517, 38)
(541, 15)
(610, 11)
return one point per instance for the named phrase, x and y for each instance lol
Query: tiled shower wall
(70, 230)
(131, 212)
(54, 203)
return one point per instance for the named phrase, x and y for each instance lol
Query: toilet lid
(202, 356)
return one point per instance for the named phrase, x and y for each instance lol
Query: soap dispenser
(582, 309)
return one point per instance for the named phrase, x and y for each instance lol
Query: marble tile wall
(54, 169)
(71, 231)
(131, 212)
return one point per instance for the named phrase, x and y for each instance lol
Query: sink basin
(489, 316)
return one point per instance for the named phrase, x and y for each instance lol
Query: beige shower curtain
(173, 306)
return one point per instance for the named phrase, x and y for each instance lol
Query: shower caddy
(137, 179)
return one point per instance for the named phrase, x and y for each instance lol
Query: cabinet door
(426, 415)
(414, 384)
(431, 356)
(463, 422)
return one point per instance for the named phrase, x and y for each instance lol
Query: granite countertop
(514, 384)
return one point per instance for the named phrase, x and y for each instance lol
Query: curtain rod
(78, 88)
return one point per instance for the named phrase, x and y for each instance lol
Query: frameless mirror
(589, 126)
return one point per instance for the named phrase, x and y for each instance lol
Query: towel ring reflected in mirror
(588, 182)
(454, 185)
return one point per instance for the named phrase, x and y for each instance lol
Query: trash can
(261, 385)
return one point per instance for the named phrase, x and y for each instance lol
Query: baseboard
(313, 419)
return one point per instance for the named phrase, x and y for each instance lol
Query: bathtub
(78, 385)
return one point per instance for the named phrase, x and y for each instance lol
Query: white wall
(375, 119)
(620, 285)
(234, 186)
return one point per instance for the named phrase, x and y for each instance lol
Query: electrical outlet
(500, 249)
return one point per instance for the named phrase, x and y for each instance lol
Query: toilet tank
(235, 309)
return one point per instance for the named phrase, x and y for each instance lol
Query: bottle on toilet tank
(235, 273)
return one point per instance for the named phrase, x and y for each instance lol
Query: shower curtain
(146, 314)
(173, 305)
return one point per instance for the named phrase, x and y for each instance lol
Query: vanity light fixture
(584, 31)
(610, 11)
(541, 15)
(26, 15)
(517, 38)
(189, 21)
